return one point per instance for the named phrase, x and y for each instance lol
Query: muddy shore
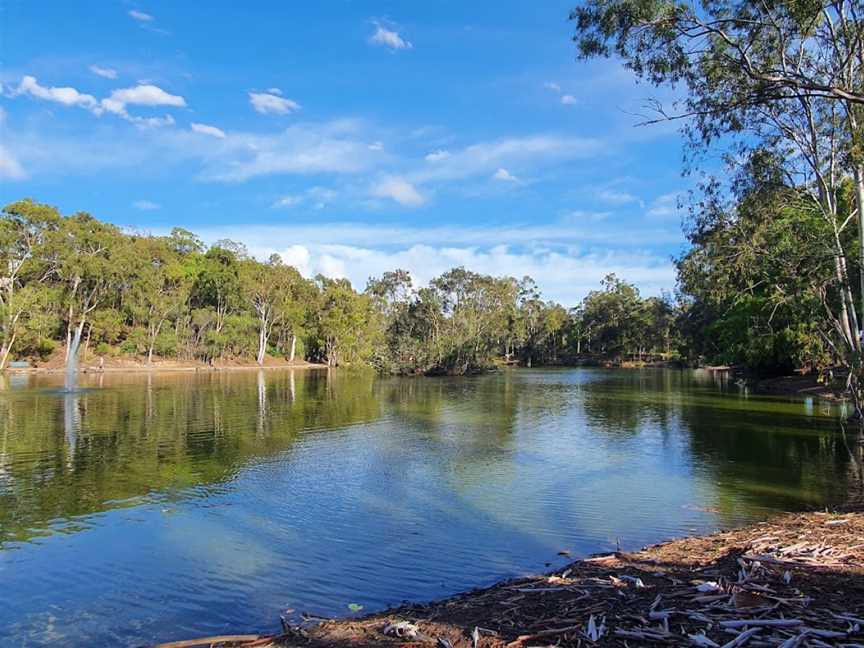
(795, 580)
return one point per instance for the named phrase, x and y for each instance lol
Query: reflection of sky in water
(194, 505)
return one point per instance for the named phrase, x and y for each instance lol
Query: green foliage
(148, 296)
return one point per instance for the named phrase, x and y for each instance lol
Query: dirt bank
(796, 580)
(92, 363)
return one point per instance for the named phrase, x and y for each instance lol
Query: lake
(154, 507)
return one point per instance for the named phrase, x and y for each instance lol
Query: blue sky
(351, 137)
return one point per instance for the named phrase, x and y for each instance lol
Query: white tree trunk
(4, 354)
(262, 341)
(293, 347)
(858, 172)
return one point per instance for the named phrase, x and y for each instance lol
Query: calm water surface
(149, 508)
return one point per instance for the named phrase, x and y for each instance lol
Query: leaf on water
(355, 607)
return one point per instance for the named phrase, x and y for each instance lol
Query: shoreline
(790, 385)
(794, 580)
(157, 367)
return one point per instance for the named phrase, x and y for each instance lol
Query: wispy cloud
(317, 197)
(388, 36)
(286, 202)
(146, 21)
(269, 103)
(504, 175)
(485, 158)
(568, 232)
(435, 156)
(104, 72)
(615, 197)
(307, 148)
(666, 206)
(140, 16)
(10, 167)
(398, 189)
(146, 205)
(566, 99)
(206, 129)
(579, 216)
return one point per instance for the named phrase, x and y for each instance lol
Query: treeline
(71, 281)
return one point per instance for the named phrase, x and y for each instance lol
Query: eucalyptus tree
(23, 227)
(755, 279)
(215, 295)
(271, 290)
(785, 77)
(476, 311)
(611, 314)
(84, 259)
(394, 297)
(160, 287)
(347, 326)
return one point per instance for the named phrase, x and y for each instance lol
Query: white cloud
(146, 205)
(569, 100)
(10, 167)
(398, 189)
(320, 196)
(63, 95)
(435, 156)
(140, 16)
(332, 147)
(317, 196)
(579, 216)
(298, 256)
(504, 174)
(286, 202)
(144, 94)
(151, 122)
(104, 72)
(614, 197)
(565, 273)
(268, 103)
(551, 85)
(566, 232)
(665, 206)
(206, 129)
(485, 158)
(376, 146)
(388, 38)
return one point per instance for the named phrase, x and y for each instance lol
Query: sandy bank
(92, 364)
